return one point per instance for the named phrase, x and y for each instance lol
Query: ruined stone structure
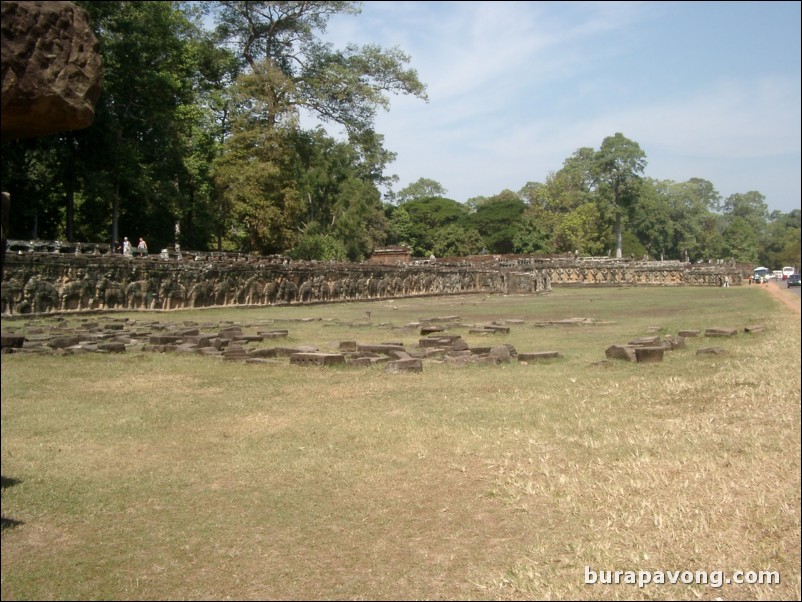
(86, 277)
(51, 70)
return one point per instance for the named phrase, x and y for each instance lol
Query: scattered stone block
(273, 334)
(359, 361)
(410, 365)
(621, 352)
(688, 333)
(317, 359)
(501, 352)
(385, 349)
(653, 341)
(114, 347)
(262, 353)
(649, 355)
(721, 332)
(431, 328)
(11, 341)
(676, 342)
(347, 346)
(288, 351)
(538, 356)
(63, 342)
(711, 351)
(753, 328)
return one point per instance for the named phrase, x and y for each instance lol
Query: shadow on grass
(8, 523)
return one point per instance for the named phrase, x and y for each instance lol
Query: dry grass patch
(180, 477)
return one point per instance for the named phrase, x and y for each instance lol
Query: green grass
(154, 476)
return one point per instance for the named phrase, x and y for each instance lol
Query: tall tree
(618, 166)
(421, 189)
(346, 87)
(134, 149)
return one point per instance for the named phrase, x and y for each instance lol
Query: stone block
(348, 346)
(711, 351)
(688, 333)
(11, 341)
(410, 365)
(721, 332)
(317, 359)
(538, 356)
(649, 355)
(621, 352)
(111, 347)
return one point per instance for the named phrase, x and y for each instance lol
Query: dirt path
(780, 292)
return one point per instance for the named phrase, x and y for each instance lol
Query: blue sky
(707, 89)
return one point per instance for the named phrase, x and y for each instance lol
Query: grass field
(170, 476)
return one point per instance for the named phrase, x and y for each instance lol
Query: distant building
(391, 255)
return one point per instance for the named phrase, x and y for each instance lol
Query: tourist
(142, 246)
(126, 247)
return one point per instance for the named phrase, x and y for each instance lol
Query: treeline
(198, 140)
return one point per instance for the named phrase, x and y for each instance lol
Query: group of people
(126, 248)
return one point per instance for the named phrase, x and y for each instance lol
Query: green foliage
(617, 168)
(423, 188)
(456, 241)
(579, 232)
(740, 241)
(426, 216)
(322, 247)
(202, 133)
(498, 221)
(534, 235)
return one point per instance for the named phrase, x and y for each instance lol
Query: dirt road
(780, 292)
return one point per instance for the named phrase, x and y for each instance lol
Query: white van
(788, 271)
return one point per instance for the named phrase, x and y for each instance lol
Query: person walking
(126, 247)
(142, 246)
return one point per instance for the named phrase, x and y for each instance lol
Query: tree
(427, 215)
(423, 188)
(131, 158)
(456, 241)
(579, 231)
(691, 205)
(344, 87)
(617, 167)
(498, 221)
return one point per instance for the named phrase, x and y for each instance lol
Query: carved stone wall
(45, 282)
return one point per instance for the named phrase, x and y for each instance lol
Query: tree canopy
(199, 141)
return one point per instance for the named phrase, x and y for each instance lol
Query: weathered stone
(711, 351)
(688, 333)
(11, 341)
(646, 341)
(274, 334)
(111, 347)
(62, 342)
(721, 332)
(501, 352)
(347, 346)
(288, 351)
(429, 329)
(262, 353)
(410, 365)
(676, 342)
(386, 349)
(317, 359)
(649, 355)
(753, 328)
(538, 356)
(621, 352)
(51, 72)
